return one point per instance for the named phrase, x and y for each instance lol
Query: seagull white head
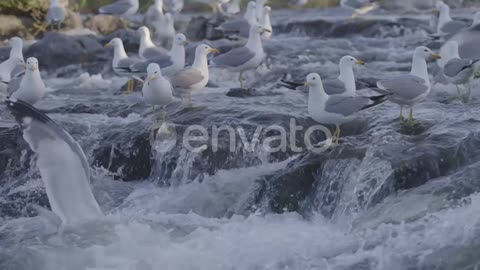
(116, 42)
(251, 5)
(349, 61)
(143, 31)
(204, 49)
(267, 10)
(439, 3)
(181, 40)
(16, 42)
(153, 71)
(32, 64)
(313, 79)
(426, 53)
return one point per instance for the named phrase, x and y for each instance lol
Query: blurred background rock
(22, 17)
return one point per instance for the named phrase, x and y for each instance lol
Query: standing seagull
(335, 109)
(171, 63)
(244, 58)
(14, 61)
(196, 77)
(410, 89)
(458, 70)
(265, 23)
(121, 62)
(32, 88)
(147, 49)
(154, 13)
(446, 26)
(157, 91)
(173, 6)
(344, 84)
(55, 14)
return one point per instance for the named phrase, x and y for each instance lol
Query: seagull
(14, 60)
(259, 4)
(32, 88)
(297, 3)
(62, 164)
(446, 26)
(410, 89)
(361, 7)
(157, 90)
(121, 62)
(173, 6)
(154, 13)
(265, 23)
(171, 63)
(458, 70)
(123, 8)
(164, 31)
(196, 77)
(232, 7)
(55, 14)
(241, 26)
(147, 49)
(214, 4)
(335, 109)
(344, 84)
(244, 58)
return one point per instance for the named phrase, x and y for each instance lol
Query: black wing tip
(21, 109)
(290, 84)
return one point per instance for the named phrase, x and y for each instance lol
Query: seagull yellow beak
(106, 45)
(435, 11)
(306, 84)
(151, 78)
(212, 50)
(267, 30)
(360, 62)
(185, 43)
(436, 56)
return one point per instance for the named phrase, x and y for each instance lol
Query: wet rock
(104, 24)
(313, 182)
(200, 28)
(128, 157)
(131, 40)
(242, 92)
(56, 50)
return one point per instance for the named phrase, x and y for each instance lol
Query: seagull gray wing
(405, 87)
(163, 62)
(55, 15)
(453, 27)
(348, 106)
(118, 8)
(234, 58)
(186, 78)
(126, 63)
(456, 65)
(154, 52)
(334, 87)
